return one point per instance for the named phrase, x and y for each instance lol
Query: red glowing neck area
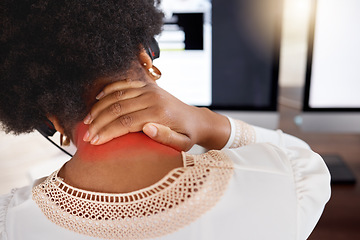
(128, 146)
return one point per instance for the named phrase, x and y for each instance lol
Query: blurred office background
(25, 157)
(341, 217)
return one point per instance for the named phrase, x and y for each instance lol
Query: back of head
(52, 51)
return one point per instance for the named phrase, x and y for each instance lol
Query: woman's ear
(146, 62)
(64, 140)
(145, 59)
(56, 124)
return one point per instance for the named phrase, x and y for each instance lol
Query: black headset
(47, 129)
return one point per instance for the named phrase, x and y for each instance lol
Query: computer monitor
(332, 87)
(331, 96)
(223, 55)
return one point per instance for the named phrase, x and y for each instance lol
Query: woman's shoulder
(257, 156)
(10, 200)
(15, 198)
(5, 200)
(294, 173)
(270, 157)
(261, 156)
(299, 165)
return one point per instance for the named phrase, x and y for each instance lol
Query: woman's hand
(131, 106)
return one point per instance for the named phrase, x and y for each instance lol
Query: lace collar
(179, 198)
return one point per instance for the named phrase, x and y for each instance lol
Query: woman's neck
(129, 146)
(124, 164)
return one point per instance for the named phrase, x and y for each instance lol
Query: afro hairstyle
(51, 51)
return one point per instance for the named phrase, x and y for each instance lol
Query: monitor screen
(331, 96)
(333, 72)
(221, 55)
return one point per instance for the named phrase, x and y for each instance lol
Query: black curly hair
(51, 51)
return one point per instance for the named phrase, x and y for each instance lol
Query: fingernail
(86, 136)
(151, 130)
(95, 140)
(100, 95)
(87, 119)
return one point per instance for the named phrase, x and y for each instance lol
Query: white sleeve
(244, 134)
(312, 181)
(303, 175)
(4, 204)
(278, 138)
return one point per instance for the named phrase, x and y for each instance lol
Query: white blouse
(270, 185)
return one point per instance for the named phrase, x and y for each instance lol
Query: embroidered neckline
(179, 198)
(122, 198)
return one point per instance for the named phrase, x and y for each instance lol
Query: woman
(82, 65)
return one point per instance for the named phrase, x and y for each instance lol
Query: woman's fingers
(120, 85)
(117, 112)
(111, 99)
(168, 137)
(132, 122)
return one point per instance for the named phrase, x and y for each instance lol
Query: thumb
(168, 137)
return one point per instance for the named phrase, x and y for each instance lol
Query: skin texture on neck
(131, 145)
(124, 164)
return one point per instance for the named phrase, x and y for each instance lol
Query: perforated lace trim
(244, 135)
(181, 197)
